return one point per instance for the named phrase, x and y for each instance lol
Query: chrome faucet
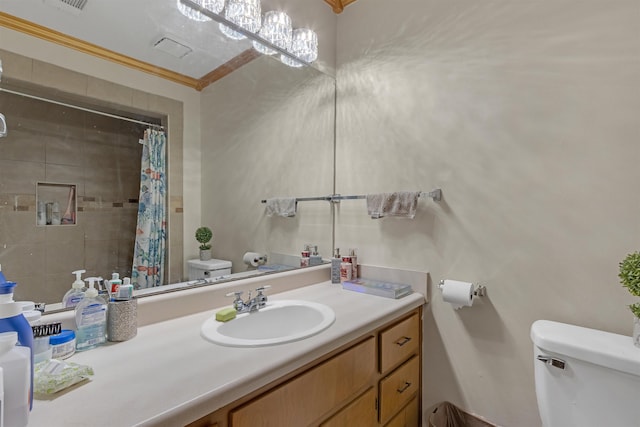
(251, 304)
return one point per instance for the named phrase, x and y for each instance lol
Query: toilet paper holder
(478, 290)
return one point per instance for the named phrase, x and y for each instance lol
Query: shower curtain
(151, 232)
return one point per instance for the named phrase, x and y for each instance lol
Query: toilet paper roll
(253, 259)
(458, 294)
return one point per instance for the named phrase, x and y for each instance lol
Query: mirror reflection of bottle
(42, 214)
(49, 211)
(315, 258)
(304, 256)
(55, 214)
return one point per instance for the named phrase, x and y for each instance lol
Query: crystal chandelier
(304, 45)
(214, 6)
(244, 13)
(276, 29)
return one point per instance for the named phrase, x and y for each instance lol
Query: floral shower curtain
(151, 231)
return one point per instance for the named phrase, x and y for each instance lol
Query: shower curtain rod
(77, 107)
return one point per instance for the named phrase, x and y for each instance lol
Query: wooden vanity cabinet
(400, 367)
(374, 381)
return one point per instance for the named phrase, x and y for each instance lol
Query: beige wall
(526, 115)
(98, 158)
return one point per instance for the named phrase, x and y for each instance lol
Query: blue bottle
(12, 320)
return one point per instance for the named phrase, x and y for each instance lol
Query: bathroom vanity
(365, 366)
(375, 380)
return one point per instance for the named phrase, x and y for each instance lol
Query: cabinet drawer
(399, 387)
(361, 412)
(399, 342)
(304, 399)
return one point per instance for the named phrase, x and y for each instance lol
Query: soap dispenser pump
(76, 293)
(91, 318)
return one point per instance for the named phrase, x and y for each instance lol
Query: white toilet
(585, 377)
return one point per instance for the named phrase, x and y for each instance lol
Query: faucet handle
(260, 297)
(238, 304)
(236, 294)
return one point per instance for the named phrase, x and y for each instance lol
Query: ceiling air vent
(172, 47)
(72, 6)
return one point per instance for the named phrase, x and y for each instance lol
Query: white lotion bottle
(15, 362)
(91, 319)
(76, 293)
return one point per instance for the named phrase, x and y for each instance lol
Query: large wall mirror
(241, 127)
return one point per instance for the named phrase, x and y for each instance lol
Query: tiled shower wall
(67, 146)
(101, 157)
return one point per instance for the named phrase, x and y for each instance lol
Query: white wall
(526, 115)
(268, 133)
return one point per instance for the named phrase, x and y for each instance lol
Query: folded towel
(283, 206)
(401, 204)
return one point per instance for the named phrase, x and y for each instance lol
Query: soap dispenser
(335, 266)
(76, 293)
(91, 318)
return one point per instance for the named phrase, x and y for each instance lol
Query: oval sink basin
(279, 322)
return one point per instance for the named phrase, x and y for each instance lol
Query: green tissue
(226, 314)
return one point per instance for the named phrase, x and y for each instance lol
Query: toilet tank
(586, 377)
(208, 269)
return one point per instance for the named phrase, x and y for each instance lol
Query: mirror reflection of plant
(203, 236)
(630, 278)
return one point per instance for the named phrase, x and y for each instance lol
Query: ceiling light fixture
(304, 45)
(246, 14)
(276, 29)
(214, 6)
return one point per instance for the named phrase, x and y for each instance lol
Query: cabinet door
(399, 342)
(361, 412)
(306, 398)
(408, 417)
(399, 387)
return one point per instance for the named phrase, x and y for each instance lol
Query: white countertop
(169, 375)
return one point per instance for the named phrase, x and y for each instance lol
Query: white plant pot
(636, 331)
(205, 254)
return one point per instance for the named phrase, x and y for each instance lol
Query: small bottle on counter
(345, 269)
(354, 263)
(335, 266)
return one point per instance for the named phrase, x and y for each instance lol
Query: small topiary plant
(203, 236)
(630, 278)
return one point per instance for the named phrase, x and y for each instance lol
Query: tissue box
(376, 287)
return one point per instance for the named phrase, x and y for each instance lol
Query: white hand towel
(400, 204)
(281, 206)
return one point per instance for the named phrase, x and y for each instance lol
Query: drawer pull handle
(403, 341)
(406, 385)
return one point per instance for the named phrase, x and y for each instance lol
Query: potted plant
(630, 278)
(203, 236)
